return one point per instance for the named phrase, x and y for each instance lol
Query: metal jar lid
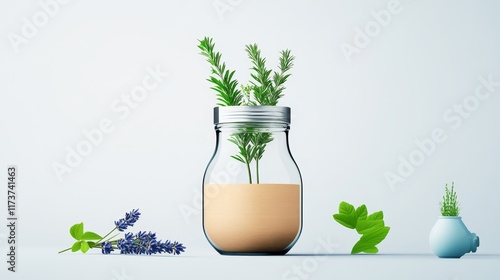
(259, 114)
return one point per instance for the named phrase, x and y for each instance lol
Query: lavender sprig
(146, 243)
(140, 243)
(129, 220)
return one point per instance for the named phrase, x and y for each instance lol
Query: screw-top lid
(260, 114)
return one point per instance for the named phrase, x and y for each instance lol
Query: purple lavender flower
(129, 220)
(126, 245)
(177, 248)
(167, 247)
(106, 247)
(146, 243)
(132, 216)
(140, 243)
(129, 237)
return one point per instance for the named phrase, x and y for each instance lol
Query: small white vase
(450, 238)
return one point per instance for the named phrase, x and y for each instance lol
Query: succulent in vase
(450, 238)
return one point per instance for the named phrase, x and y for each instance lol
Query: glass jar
(252, 187)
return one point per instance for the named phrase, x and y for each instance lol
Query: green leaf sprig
(371, 227)
(84, 240)
(87, 240)
(450, 206)
(140, 243)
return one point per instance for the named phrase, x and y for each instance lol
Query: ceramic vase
(450, 238)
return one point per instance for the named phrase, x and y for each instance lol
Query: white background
(353, 117)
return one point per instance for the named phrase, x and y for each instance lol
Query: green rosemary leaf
(238, 158)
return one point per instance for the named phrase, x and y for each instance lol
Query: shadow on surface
(467, 256)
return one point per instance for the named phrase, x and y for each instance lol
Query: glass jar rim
(256, 114)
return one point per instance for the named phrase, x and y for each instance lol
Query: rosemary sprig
(279, 78)
(264, 89)
(222, 79)
(267, 91)
(261, 83)
(450, 205)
